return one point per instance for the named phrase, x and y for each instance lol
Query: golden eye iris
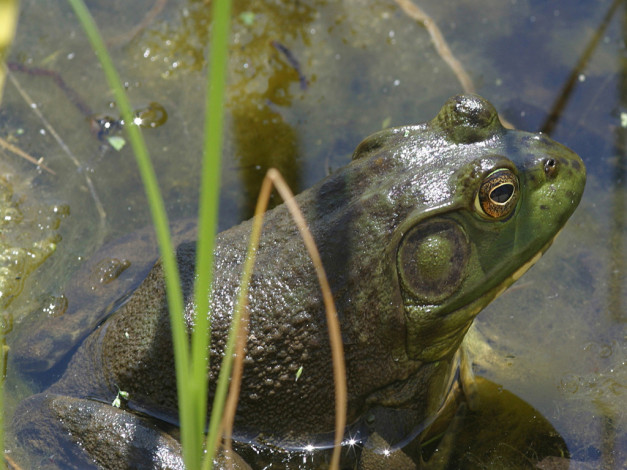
(498, 194)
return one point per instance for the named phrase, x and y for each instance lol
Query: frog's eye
(498, 194)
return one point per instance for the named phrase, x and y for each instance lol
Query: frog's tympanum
(424, 228)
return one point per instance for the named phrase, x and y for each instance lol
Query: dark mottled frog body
(426, 226)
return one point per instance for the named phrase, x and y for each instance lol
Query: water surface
(307, 81)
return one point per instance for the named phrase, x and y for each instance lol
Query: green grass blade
(208, 210)
(242, 301)
(160, 222)
(8, 23)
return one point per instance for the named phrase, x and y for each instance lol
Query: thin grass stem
(187, 412)
(208, 217)
(240, 316)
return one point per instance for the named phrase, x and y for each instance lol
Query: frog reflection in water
(425, 227)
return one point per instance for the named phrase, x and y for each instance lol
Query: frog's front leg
(108, 437)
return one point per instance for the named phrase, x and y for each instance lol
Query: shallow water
(556, 339)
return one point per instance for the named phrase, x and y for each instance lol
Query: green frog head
(483, 204)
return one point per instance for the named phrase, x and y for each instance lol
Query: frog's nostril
(550, 167)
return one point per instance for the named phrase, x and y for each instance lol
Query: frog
(425, 226)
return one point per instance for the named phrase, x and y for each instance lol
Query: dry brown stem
(441, 46)
(19, 152)
(274, 178)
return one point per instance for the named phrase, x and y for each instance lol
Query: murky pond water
(310, 79)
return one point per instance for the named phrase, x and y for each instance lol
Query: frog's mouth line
(496, 291)
(525, 267)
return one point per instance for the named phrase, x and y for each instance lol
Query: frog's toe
(41, 433)
(53, 425)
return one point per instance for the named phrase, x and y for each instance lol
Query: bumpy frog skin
(426, 226)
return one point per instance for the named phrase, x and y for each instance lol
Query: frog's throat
(525, 267)
(459, 321)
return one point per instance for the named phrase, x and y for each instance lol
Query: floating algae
(28, 236)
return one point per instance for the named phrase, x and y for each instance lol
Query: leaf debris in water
(117, 401)
(247, 17)
(116, 142)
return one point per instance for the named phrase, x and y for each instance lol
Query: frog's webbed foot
(80, 433)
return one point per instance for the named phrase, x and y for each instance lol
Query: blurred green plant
(8, 25)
